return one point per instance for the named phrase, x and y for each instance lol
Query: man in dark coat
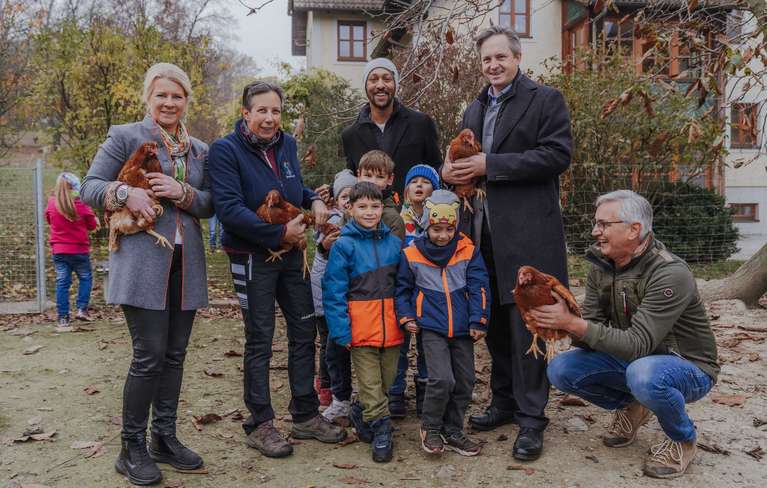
(524, 128)
(409, 137)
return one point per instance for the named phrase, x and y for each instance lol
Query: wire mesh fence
(692, 220)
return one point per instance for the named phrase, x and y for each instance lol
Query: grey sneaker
(625, 424)
(338, 412)
(82, 314)
(320, 428)
(461, 444)
(268, 441)
(669, 459)
(63, 322)
(431, 441)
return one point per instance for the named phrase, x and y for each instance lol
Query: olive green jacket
(392, 218)
(651, 306)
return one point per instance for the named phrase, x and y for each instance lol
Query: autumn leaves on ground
(61, 402)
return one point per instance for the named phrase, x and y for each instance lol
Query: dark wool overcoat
(532, 146)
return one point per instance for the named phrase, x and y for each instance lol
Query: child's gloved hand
(477, 334)
(411, 327)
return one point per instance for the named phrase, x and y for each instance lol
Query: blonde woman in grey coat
(159, 289)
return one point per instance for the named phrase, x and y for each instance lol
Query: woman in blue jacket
(255, 158)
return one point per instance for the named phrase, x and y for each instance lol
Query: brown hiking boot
(626, 423)
(320, 428)
(669, 459)
(268, 441)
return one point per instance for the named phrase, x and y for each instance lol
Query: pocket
(419, 305)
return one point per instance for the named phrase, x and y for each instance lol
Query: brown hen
(133, 173)
(464, 146)
(533, 290)
(276, 210)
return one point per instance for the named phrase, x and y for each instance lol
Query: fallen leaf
(91, 390)
(212, 373)
(729, 400)
(115, 420)
(353, 480)
(202, 470)
(350, 439)
(502, 437)
(519, 467)
(46, 436)
(232, 354)
(592, 457)
(208, 418)
(32, 350)
(759, 422)
(756, 453)
(344, 466)
(713, 448)
(573, 401)
(102, 345)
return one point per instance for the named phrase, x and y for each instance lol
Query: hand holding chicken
(535, 289)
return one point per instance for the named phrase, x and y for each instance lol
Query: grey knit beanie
(384, 63)
(344, 179)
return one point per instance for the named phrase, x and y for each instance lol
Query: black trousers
(518, 381)
(450, 363)
(258, 284)
(159, 339)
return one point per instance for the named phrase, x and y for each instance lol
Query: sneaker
(361, 428)
(82, 314)
(432, 442)
(669, 459)
(268, 441)
(383, 444)
(325, 397)
(63, 322)
(397, 406)
(319, 428)
(338, 412)
(625, 424)
(460, 443)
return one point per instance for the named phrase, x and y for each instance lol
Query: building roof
(375, 5)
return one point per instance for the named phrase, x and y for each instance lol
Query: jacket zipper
(278, 175)
(449, 304)
(625, 303)
(383, 304)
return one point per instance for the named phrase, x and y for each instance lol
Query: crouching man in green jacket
(646, 345)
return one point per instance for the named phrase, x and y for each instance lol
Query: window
(743, 132)
(352, 40)
(516, 14)
(619, 35)
(745, 212)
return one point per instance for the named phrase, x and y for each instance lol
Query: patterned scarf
(254, 140)
(178, 147)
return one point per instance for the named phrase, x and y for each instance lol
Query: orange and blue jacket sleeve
(403, 294)
(335, 292)
(478, 284)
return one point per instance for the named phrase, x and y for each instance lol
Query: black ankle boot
(135, 464)
(166, 448)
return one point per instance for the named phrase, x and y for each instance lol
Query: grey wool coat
(139, 270)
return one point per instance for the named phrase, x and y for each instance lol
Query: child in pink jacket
(70, 221)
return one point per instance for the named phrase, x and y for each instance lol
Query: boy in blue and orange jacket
(442, 291)
(358, 298)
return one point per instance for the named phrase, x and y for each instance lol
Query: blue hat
(425, 171)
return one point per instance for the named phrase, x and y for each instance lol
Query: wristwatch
(121, 195)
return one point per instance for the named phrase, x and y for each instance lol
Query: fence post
(40, 235)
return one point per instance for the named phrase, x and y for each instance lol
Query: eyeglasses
(603, 224)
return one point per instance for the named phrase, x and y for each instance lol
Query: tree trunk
(748, 283)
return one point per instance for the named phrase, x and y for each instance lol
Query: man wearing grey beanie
(409, 137)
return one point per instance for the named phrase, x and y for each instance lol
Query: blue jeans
(662, 383)
(65, 264)
(215, 232)
(399, 386)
